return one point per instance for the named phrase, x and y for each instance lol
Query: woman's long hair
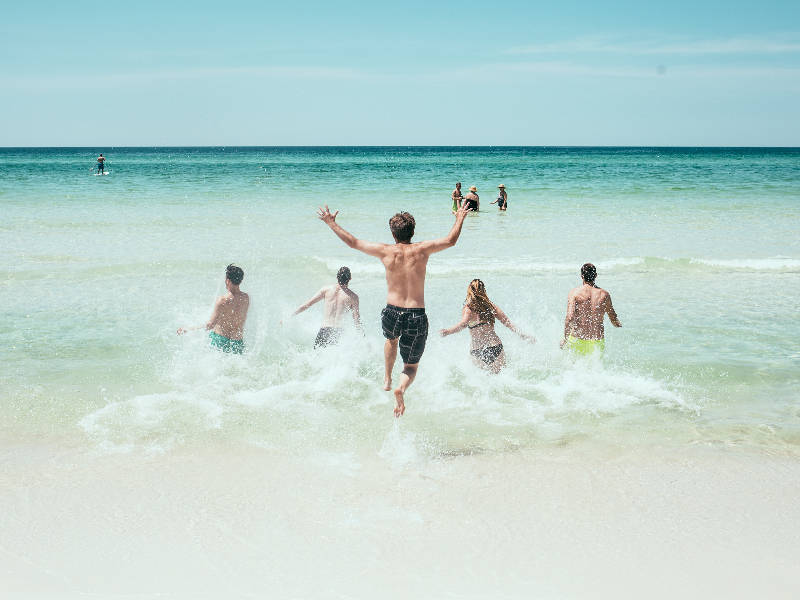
(478, 301)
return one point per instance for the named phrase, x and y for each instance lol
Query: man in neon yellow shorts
(230, 312)
(586, 307)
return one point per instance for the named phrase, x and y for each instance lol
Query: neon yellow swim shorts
(585, 347)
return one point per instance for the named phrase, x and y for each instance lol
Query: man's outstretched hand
(325, 215)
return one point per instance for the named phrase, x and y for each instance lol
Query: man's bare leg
(406, 377)
(389, 357)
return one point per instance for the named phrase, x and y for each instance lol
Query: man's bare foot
(387, 384)
(399, 405)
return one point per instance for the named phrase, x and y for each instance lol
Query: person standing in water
(586, 308)
(471, 200)
(404, 321)
(457, 197)
(339, 300)
(479, 316)
(502, 199)
(101, 164)
(230, 312)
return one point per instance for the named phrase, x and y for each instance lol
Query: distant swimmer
(502, 198)
(101, 164)
(339, 301)
(457, 197)
(586, 307)
(404, 320)
(471, 200)
(479, 316)
(230, 312)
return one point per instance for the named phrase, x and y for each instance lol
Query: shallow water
(699, 248)
(136, 463)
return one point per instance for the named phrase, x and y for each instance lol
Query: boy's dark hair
(234, 274)
(589, 272)
(402, 226)
(343, 276)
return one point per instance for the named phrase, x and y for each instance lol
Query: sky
(530, 73)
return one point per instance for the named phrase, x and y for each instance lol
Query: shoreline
(210, 521)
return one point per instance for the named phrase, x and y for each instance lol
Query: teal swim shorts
(226, 344)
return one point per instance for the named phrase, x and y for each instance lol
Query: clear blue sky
(406, 73)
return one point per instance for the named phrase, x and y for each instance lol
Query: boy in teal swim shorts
(230, 313)
(586, 308)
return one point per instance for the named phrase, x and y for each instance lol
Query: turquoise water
(699, 249)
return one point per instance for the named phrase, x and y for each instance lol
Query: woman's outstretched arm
(465, 315)
(501, 316)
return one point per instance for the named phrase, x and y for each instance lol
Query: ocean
(99, 398)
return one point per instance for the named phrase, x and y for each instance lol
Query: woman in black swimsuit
(472, 201)
(479, 315)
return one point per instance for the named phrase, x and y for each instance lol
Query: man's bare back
(587, 306)
(339, 301)
(406, 265)
(230, 314)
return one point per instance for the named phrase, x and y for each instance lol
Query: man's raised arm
(371, 248)
(432, 246)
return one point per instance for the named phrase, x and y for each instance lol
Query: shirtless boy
(339, 300)
(404, 320)
(457, 197)
(586, 307)
(230, 312)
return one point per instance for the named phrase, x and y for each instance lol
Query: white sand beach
(682, 524)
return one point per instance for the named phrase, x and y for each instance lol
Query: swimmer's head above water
(343, 276)
(589, 273)
(234, 274)
(402, 226)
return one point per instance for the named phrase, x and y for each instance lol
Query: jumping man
(404, 320)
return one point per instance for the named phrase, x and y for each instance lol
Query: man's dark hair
(343, 276)
(589, 272)
(402, 226)
(234, 274)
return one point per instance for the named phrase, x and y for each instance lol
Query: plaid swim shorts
(411, 326)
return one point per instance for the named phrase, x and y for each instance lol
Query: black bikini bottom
(488, 354)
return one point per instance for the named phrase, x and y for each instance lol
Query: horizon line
(249, 146)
